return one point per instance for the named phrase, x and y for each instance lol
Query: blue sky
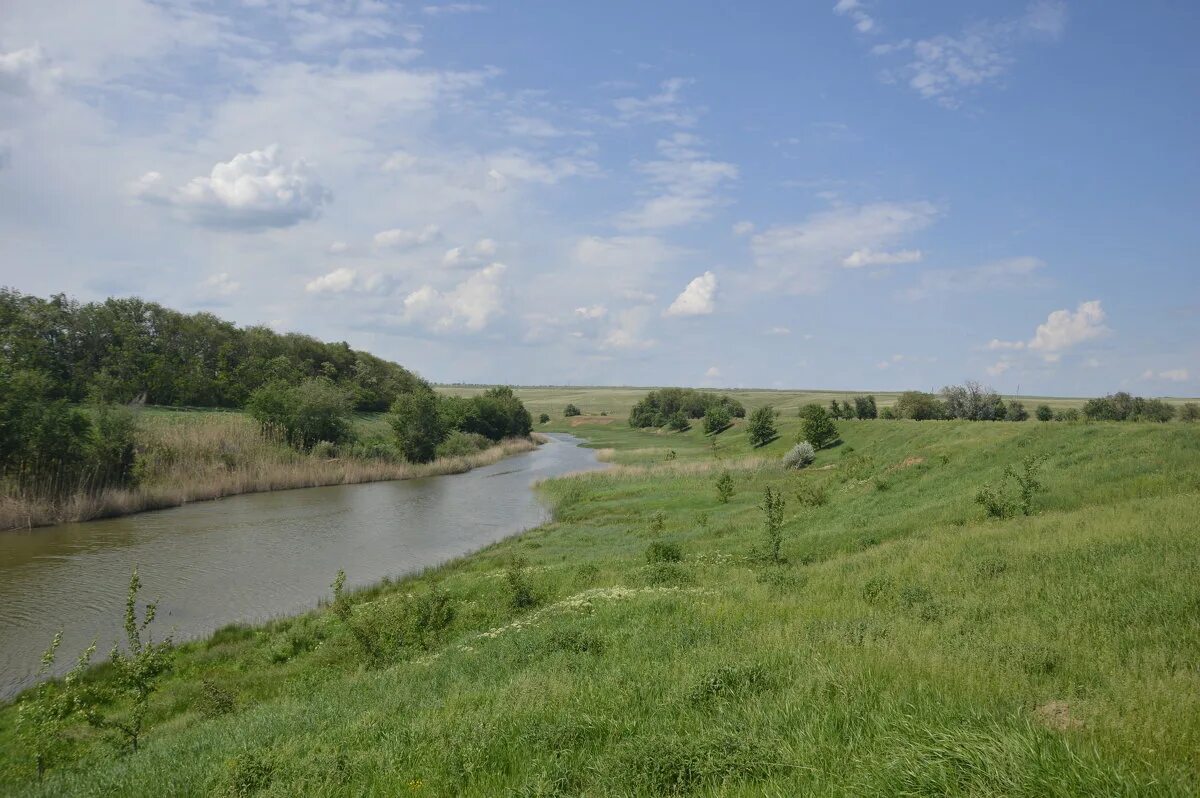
(860, 195)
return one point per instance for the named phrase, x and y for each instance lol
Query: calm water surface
(253, 557)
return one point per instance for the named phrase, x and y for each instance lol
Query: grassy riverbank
(188, 456)
(906, 646)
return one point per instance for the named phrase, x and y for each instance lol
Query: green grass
(907, 647)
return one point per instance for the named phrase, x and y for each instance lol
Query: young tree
(571, 410)
(724, 487)
(835, 409)
(716, 419)
(772, 507)
(919, 406)
(1044, 413)
(136, 672)
(418, 425)
(315, 410)
(43, 712)
(544, 418)
(1016, 411)
(1189, 412)
(760, 429)
(816, 426)
(679, 422)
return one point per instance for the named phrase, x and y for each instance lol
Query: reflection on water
(253, 557)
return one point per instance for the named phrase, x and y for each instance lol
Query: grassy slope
(908, 647)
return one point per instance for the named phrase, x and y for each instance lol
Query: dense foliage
(129, 348)
(1121, 406)
(760, 429)
(919, 406)
(816, 426)
(657, 407)
(423, 420)
(314, 410)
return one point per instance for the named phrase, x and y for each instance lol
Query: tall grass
(184, 458)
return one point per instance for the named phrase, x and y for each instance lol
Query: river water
(253, 557)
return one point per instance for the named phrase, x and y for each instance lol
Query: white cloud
(779, 331)
(997, 274)
(628, 331)
(338, 248)
(1063, 329)
(471, 305)
(406, 239)
(27, 71)
(998, 368)
(712, 372)
(335, 282)
(799, 258)
(1171, 375)
(592, 312)
(253, 191)
(944, 67)
(399, 162)
(620, 264)
(743, 228)
(453, 8)
(686, 184)
(863, 22)
(664, 107)
(997, 345)
(867, 257)
(220, 285)
(485, 247)
(697, 299)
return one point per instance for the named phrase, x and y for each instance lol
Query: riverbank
(648, 645)
(189, 457)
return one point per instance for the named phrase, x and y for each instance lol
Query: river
(254, 557)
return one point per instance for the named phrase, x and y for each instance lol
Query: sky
(853, 194)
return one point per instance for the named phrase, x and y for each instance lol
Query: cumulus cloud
(591, 312)
(867, 257)
(397, 238)
(469, 306)
(998, 368)
(1064, 329)
(697, 299)
(256, 190)
(335, 282)
(799, 258)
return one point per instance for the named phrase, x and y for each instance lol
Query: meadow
(646, 643)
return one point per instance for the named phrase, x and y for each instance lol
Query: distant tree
(887, 413)
(656, 408)
(864, 407)
(835, 409)
(1121, 406)
(816, 426)
(772, 507)
(972, 402)
(716, 420)
(760, 428)
(418, 426)
(544, 418)
(1190, 412)
(919, 406)
(1070, 414)
(1153, 410)
(571, 410)
(724, 487)
(315, 410)
(1044, 413)
(679, 422)
(1016, 411)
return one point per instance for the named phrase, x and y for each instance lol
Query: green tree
(43, 713)
(1044, 413)
(864, 407)
(1189, 412)
(760, 428)
(418, 426)
(1016, 411)
(772, 507)
(544, 418)
(919, 406)
(816, 426)
(571, 410)
(716, 420)
(315, 410)
(679, 422)
(724, 487)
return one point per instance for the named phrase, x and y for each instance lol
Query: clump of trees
(304, 414)
(816, 426)
(859, 407)
(919, 406)
(1122, 406)
(423, 420)
(122, 349)
(656, 408)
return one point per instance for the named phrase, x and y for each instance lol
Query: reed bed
(207, 456)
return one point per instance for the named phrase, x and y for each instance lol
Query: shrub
(382, 628)
(136, 671)
(571, 410)
(760, 429)
(994, 502)
(544, 418)
(521, 592)
(810, 494)
(972, 402)
(1044, 413)
(662, 551)
(716, 420)
(314, 410)
(1190, 412)
(919, 406)
(656, 408)
(214, 700)
(864, 407)
(418, 426)
(887, 413)
(1121, 406)
(1028, 484)
(816, 426)
(799, 456)
(43, 713)
(724, 487)
(1070, 414)
(837, 410)
(1153, 410)
(460, 444)
(658, 522)
(1016, 411)
(324, 450)
(679, 422)
(772, 507)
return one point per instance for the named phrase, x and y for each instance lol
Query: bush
(972, 402)
(1016, 411)
(760, 429)
(662, 551)
(1121, 406)
(214, 700)
(314, 410)
(544, 418)
(521, 592)
(799, 456)
(656, 408)
(1190, 412)
(1000, 503)
(772, 507)
(382, 628)
(1044, 413)
(716, 420)
(570, 410)
(679, 422)
(816, 426)
(810, 494)
(919, 406)
(887, 413)
(724, 487)
(324, 450)
(1070, 414)
(460, 444)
